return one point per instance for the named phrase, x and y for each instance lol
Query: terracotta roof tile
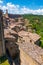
(33, 51)
(33, 36)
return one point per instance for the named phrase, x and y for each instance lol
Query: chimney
(6, 11)
(6, 15)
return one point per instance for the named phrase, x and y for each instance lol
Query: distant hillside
(37, 24)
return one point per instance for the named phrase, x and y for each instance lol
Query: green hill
(37, 24)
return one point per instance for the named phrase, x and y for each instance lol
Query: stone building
(11, 37)
(15, 40)
(29, 37)
(10, 19)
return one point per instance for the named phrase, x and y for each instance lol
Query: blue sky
(32, 4)
(22, 6)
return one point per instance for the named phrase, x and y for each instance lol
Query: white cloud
(25, 10)
(1, 1)
(16, 9)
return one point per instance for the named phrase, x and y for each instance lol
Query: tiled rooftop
(32, 50)
(32, 36)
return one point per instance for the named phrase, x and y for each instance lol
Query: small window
(6, 41)
(11, 48)
(30, 40)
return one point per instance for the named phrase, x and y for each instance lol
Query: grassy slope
(5, 63)
(4, 60)
(38, 25)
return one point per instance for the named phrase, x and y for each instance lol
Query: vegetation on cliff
(36, 22)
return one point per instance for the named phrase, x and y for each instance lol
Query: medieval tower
(2, 44)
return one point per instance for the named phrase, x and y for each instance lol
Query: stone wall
(1, 52)
(2, 44)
